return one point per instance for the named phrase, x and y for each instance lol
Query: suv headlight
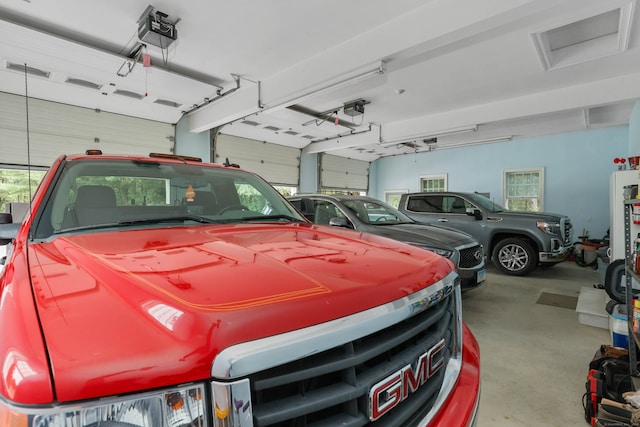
(443, 252)
(179, 407)
(549, 227)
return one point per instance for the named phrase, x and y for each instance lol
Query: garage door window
(14, 186)
(524, 190)
(285, 190)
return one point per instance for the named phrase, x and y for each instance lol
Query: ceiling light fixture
(22, 68)
(326, 87)
(476, 142)
(446, 132)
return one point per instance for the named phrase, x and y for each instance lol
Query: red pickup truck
(162, 291)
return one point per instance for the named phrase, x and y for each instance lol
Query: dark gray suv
(369, 215)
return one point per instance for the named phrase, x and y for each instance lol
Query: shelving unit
(630, 276)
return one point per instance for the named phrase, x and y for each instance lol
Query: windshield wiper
(179, 218)
(86, 227)
(286, 218)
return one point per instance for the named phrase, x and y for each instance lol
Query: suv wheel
(514, 256)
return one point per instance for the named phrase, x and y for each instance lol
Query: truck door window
(428, 204)
(453, 204)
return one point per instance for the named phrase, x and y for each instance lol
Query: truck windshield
(486, 203)
(99, 194)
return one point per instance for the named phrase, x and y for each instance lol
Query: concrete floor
(534, 357)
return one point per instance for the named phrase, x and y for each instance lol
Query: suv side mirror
(340, 222)
(8, 230)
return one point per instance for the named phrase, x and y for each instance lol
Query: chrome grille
(468, 258)
(331, 388)
(567, 229)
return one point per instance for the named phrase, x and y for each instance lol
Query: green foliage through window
(132, 190)
(523, 190)
(14, 186)
(433, 183)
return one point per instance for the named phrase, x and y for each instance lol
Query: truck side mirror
(8, 230)
(476, 213)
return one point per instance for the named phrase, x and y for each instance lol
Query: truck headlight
(179, 407)
(549, 227)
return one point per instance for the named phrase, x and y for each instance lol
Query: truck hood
(539, 216)
(422, 234)
(533, 216)
(123, 311)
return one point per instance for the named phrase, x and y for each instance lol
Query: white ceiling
(460, 71)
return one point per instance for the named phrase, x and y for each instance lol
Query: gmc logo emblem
(388, 393)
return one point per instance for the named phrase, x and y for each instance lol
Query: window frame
(505, 186)
(388, 194)
(433, 177)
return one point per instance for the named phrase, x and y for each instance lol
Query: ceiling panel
(288, 66)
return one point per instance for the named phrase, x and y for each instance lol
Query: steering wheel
(232, 208)
(381, 219)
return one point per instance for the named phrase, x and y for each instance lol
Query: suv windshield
(103, 193)
(376, 213)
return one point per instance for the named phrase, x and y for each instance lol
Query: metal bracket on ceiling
(344, 135)
(135, 54)
(207, 101)
(324, 116)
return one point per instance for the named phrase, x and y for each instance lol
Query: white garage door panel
(275, 163)
(343, 173)
(56, 129)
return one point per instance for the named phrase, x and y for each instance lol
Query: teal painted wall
(634, 130)
(308, 173)
(192, 144)
(577, 167)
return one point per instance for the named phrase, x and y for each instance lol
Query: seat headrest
(95, 196)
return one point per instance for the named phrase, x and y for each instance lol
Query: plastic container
(630, 191)
(635, 215)
(618, 326)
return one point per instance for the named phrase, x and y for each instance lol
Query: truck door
(442, 209)
(456, 213)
